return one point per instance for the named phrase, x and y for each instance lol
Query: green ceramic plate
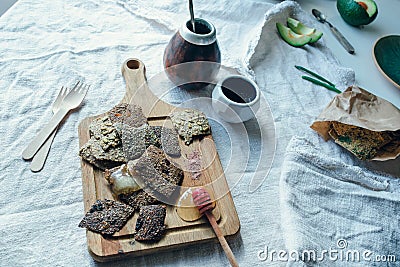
(387, 57)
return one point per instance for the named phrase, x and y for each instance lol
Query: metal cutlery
(40, 158)
(192, 15)
(72, 100)
(342, 40)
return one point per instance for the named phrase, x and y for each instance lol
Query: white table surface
(363, 39)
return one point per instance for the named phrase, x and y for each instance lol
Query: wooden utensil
(179, 233)
(40, 158)
(71, 101)
(203, 202)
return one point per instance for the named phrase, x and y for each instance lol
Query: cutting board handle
(134, 73)
(138, 91)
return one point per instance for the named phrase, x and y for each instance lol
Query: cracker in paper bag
(366, 125)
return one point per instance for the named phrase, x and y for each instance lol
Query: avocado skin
(284, 32)
(353, 14)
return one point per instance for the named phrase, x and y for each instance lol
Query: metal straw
(192, 14)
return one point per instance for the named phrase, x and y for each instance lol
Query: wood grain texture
(179, 232)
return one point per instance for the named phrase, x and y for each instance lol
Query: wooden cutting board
(179, 232)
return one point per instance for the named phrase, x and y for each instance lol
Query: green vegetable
(301, 29)
(290, 37)
(317, 82)
(314, 74)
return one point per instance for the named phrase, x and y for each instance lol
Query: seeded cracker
(361, 142)
(163, 138)
(103, 130)
(136, 140)
(190, 123)
(363, 123)
(94, 154)
(107, 217)
(157, 173)
(170, 142)
(104, 148)
(133, 140)
(150, 223)
(131, 115)
(138, 199)
(168, 170)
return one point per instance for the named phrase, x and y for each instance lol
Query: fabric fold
(330, 205)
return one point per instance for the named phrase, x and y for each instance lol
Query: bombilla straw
(192, 14)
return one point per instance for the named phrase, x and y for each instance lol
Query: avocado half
(301, 29)
(357, 12)
(291, 37)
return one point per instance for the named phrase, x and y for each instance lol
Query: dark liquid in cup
(238, 90)
(199, 27)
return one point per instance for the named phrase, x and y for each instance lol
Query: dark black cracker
(138, 199)
(156, 158)
(159, 175)
(150, 223)
(107, 216)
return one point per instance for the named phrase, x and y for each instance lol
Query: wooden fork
(40, 158)
(72, 100)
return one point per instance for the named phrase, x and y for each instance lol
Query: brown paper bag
(355, 107)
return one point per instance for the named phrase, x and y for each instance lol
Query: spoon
(192, 15)
(342, 40)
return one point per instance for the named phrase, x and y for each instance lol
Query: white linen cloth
(307, 203)
(47, 44)
(327, 203)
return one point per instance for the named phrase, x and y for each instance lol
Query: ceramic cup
(236, 99)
